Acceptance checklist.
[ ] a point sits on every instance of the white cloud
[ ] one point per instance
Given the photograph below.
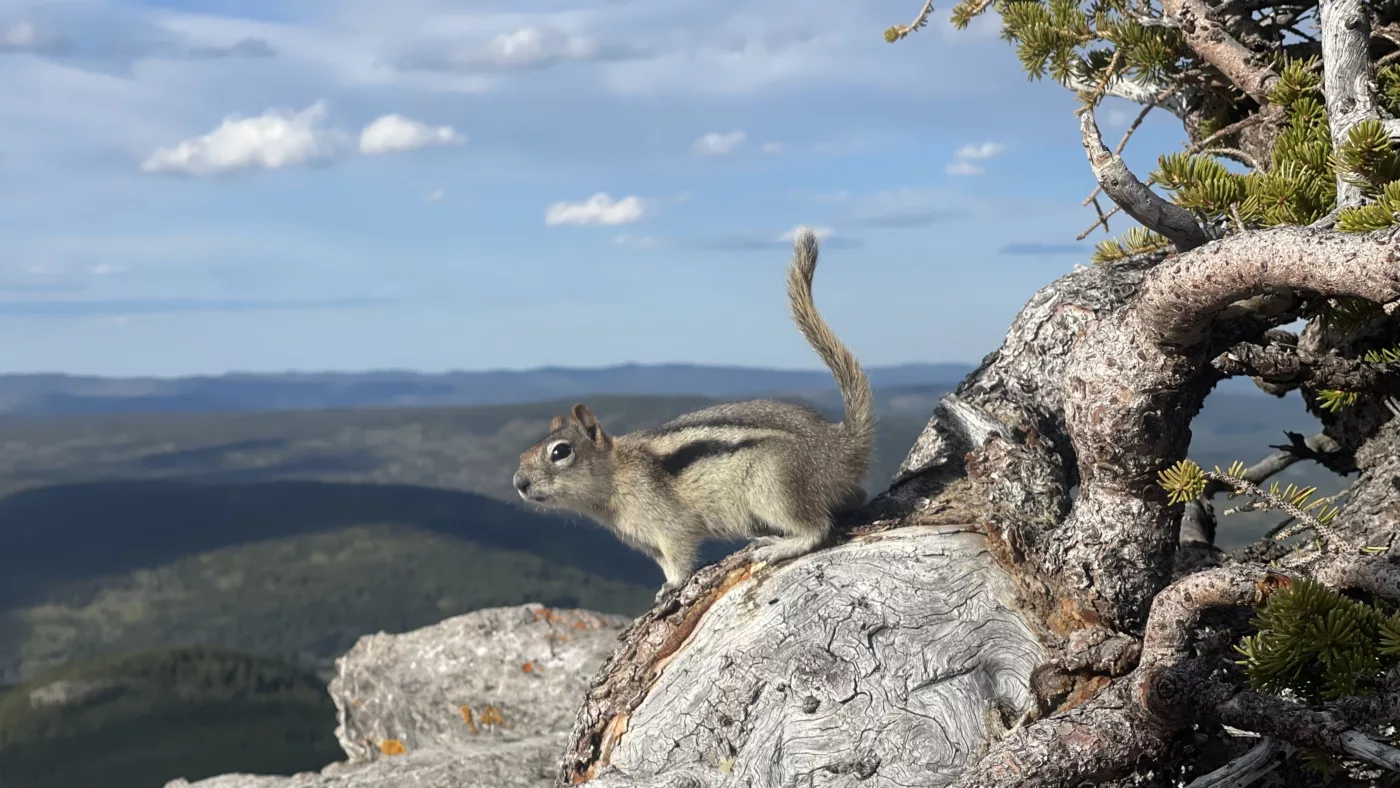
(526, 47)
(1119, 117)
(772, 147)
(906, 208)
(964, 157)
(530, 46)
(20, 35)
(600, 209)
(791, 235)
(436, 195)
(277, 138)
(828, 198)
(104, 269)
(635, 241)
(718, 144)
(984, 151)
(389, 133)
(964, 168)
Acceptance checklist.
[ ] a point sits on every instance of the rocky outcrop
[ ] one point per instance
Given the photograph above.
(485, 699)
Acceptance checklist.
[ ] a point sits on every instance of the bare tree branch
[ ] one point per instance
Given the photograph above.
(1244, 770)
(1136, 199)
(1392, 127)
(1374, 575)
(1102, 221)
(1298, 725)
(1228, 131)
(1137, 91)
(1294, 366)
(1348, 82)
(1213, 42)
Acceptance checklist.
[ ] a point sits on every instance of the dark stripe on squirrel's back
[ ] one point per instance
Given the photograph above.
(677, 461)
(752, 421)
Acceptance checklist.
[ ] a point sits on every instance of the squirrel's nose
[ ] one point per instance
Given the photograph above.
(521, 481)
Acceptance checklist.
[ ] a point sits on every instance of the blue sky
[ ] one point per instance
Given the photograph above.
(201, 187)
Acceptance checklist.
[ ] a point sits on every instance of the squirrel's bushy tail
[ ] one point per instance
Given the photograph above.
(859, 421)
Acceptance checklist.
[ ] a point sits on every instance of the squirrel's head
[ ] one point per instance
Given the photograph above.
(571, 468)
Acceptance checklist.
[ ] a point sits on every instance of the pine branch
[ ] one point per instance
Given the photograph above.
(900, 31)
(1304, 519)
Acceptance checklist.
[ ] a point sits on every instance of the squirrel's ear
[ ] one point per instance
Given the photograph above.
(557, 423)
(585, 419)
(581, 414)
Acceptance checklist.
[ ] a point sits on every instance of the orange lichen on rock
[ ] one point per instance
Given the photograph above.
(528, 667)
(392, 747)
(467, 717)
(492, 716)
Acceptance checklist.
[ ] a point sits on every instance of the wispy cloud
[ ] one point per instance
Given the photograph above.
(389, 133)
(826, 198)
(636, 241)
(902, 208)
(964, 158)
(111, 41)
(532, 46)
(822, 233)
(718, 143)
(277, 138)
(756, 241)
(1040, 248)
(152, 306)
(600, 209)
(34, 289)
(772, 148)
(19, 37)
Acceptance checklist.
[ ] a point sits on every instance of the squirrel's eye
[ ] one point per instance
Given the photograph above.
(560, 452)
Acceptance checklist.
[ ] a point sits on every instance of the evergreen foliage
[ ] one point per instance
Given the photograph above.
(1089, 44)
(1319, 645)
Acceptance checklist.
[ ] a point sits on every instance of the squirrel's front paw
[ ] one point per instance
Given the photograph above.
(666, 588)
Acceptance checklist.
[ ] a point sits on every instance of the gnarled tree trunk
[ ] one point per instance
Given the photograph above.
(980, 593)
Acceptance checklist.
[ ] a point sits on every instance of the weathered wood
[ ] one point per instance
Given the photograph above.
(873, 663)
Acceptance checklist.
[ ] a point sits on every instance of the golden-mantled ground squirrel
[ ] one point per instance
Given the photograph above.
(764, 468)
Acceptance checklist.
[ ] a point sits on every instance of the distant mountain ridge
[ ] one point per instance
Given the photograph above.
(58, 394)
